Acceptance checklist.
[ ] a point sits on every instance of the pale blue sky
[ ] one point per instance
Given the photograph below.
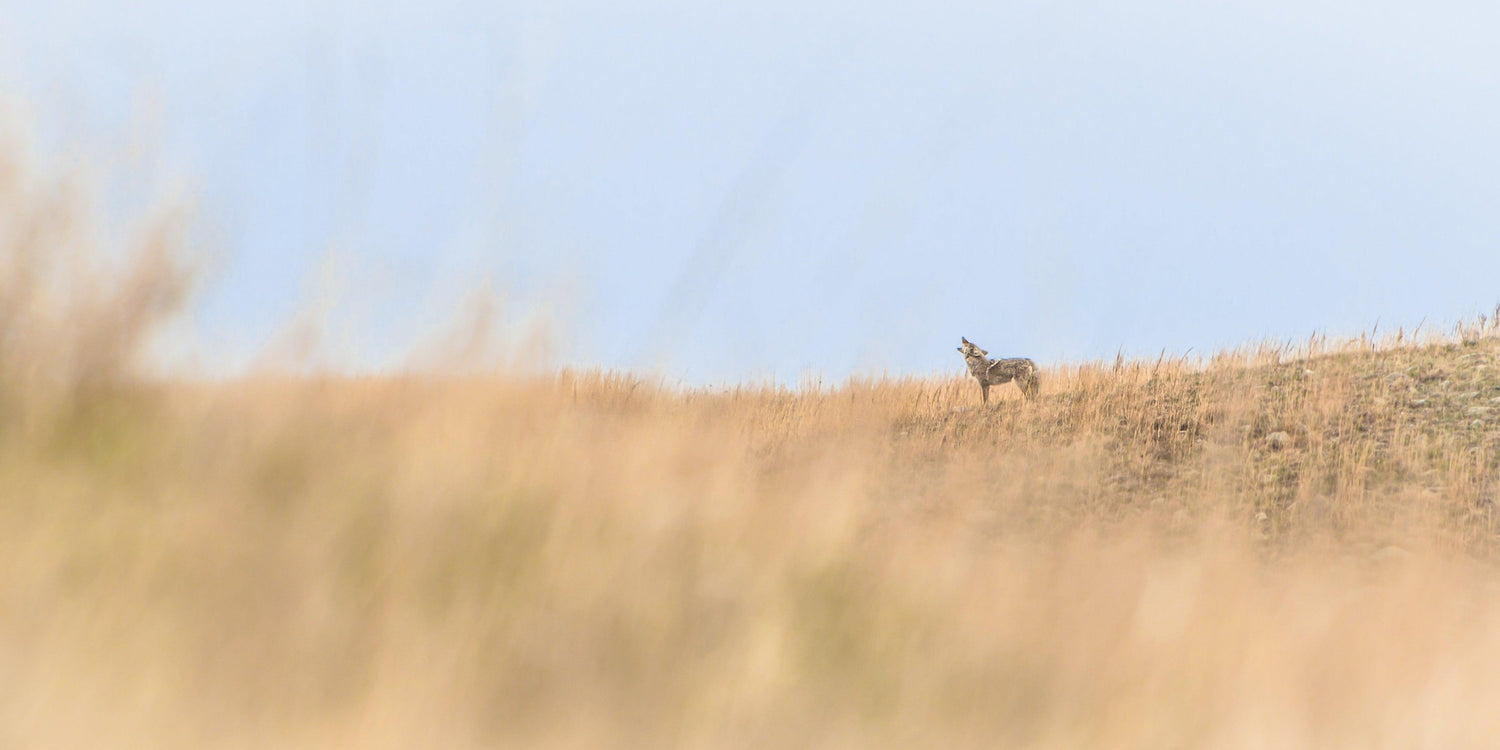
(738, 190)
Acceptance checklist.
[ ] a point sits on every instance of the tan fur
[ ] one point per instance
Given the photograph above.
(999, 371)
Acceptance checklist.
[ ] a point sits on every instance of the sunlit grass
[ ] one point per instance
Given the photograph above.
(1283, 546)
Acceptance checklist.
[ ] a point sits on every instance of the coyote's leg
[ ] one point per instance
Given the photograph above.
(984, 393)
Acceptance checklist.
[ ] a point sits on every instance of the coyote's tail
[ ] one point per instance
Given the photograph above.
(1029, 381)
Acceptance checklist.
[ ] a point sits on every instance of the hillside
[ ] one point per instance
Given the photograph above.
(1289, 548)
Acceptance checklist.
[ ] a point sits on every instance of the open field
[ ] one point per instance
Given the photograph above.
(1286, 546)
(1259, 551)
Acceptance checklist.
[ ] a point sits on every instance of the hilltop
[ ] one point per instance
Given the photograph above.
(1280, 541)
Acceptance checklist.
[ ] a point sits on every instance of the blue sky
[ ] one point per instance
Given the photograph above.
(744, 190)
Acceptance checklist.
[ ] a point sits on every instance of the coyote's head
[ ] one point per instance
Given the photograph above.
(970, 350)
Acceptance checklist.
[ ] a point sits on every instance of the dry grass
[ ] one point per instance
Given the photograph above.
(1276, 548)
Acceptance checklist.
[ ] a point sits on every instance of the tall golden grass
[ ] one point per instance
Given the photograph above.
(1278, 547)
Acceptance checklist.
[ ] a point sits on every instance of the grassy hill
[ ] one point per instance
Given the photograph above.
(1284, 546)
(1275, 548)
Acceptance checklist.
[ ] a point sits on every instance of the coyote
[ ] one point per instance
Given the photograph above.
(999, 371)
